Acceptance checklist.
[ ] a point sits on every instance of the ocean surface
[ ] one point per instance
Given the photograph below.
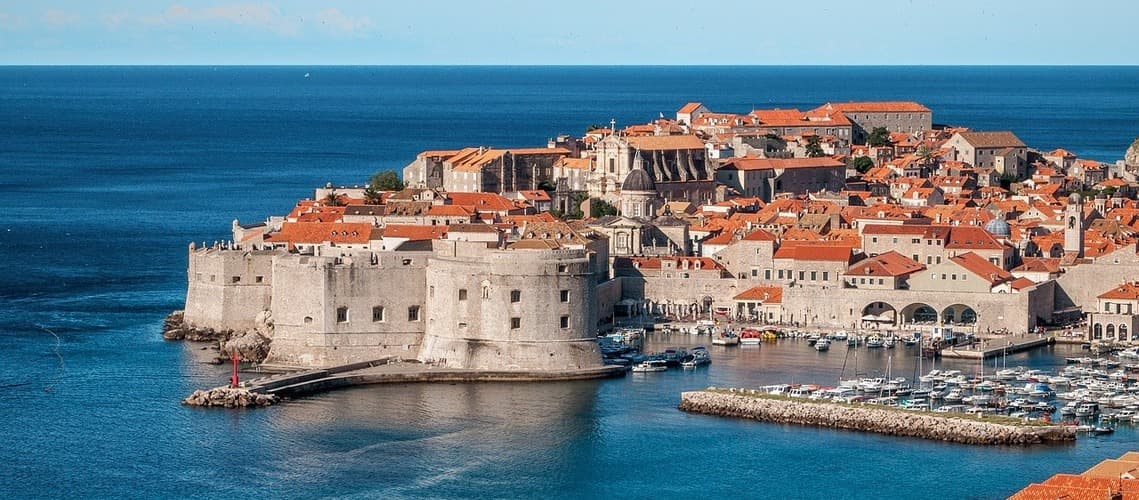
(107, 173)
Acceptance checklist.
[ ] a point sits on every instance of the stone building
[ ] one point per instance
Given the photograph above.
(677, 165)
(1116, 315)
(896, 116)
(1002, 150)
(484, 169)
(764, 177)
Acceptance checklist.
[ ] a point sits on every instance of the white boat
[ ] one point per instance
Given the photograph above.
(655, 365)
(822, 344)
(726, 339)
(840, 335)
(875, 341)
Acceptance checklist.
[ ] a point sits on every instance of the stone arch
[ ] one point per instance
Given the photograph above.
(1122, 331)
(1110, 331)
(879, 314)
(1097, 331)
(959, 314)
(919, 312)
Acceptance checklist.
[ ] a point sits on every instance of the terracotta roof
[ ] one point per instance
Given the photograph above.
(321, 232)
(665, 142)
(815, 251)
(657, 262)
(481, 201)
(1039, 265)
(1060, 152)
(450, 211)
(535, 195)
(445, 153)
(690, 107)
(1021, 283)
(415, 232)
(876, 107)
(574, 163)
(888, 264)
(984, 269)
(750, 163)
(1126, 291)
(765, 294)
(759, 235)
(972, 238)
(989, 140)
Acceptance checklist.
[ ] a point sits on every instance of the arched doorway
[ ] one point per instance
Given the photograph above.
(1110, 331)
(1123, 332)
(919, 313)
(1097, 331)
(878, 315)
(959, 314)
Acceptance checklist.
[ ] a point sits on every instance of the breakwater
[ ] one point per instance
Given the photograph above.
(742, 403)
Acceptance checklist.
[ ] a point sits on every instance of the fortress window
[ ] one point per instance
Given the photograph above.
(431, 292)
(198, 276)
(563, 295)
(308, 320)
(258, 279)
(515, 296)
(462, 294)
(236, 279)
(562, 268)
(407, 262)
(378, 313)
(564, 322)
(515, 323)
(341, 314)
(413, 313)
(213, 278)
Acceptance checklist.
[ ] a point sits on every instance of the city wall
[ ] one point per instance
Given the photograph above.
(227, 288)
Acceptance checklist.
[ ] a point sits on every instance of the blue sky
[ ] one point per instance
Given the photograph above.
(532, 32)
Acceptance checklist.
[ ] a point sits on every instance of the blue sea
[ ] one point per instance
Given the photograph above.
(107, 173)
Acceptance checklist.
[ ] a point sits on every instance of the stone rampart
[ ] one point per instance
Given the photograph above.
(227, 288)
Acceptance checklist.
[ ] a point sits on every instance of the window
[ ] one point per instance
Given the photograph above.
(462, 294)
(881, 281)
(213, 278)
(895, 241)
(562, 268)
(780, 274)
(237, 279)
(766, 274)
(407, 262)
(431, 291)
(515, 296)
(413, 313)
(814, 275)
(341, 314)
(938, 260)
(515, 323)
(801, 275)
(754, 273)
(933, 276)
(1107, 307)
(564, 321)
(942, 275)
(916, 258)
(874, 239)
(953, 276)
(378, 314)
(915, 240)
(826, 276)
(258, 279)
(308, 320)
(563, 295)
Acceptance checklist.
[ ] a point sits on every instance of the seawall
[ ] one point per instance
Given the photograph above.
(741, 403)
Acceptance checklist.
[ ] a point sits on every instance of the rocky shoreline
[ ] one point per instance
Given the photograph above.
(252, 346)
(742, 403)
(229, 397)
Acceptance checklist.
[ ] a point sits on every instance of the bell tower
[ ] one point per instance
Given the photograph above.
(1073, 226)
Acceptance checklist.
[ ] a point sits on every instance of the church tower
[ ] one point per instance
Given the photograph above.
(638, 191)
(1073, 226)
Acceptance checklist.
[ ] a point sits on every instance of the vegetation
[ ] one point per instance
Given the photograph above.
(331, 200)
(547, 186)
(601, 208)
(878, 137)
(372, 196)
(863, 164)
(923, 154)
(814, 149)
(386, 180)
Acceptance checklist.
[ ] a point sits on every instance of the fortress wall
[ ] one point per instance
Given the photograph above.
(226, 289)
(309, 291)
(608, 295)
(477, 332)
(681, 290)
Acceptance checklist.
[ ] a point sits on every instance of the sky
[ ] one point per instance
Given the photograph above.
(684, 32)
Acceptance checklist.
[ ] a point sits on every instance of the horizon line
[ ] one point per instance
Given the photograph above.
(490, 65)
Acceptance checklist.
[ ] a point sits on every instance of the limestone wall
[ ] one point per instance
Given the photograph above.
(226, 289)
(504, 309)
(335, 310)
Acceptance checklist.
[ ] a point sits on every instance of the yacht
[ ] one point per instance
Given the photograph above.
(726, 338)
(656, 365)
(874, 341)
(822, 344)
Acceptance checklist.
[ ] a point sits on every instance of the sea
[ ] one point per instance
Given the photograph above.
(108, 173)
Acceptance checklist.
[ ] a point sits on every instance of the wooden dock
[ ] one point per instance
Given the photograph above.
(998, 346)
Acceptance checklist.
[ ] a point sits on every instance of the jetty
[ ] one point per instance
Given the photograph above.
(956, 428)
(392, 370)
(998, 346)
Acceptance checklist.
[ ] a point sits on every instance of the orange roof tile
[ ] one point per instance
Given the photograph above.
(665, 142)
(984, 269)
(750, 163)
(876, 107)
(321, 232)
(765, 294)
(888, 264)
(1126, 291)
(815, 251)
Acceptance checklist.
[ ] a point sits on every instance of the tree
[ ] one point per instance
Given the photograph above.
(814, 149)
(372, 196)
(923, 154)
(331, 200)
(862, 164)
(879, 137)
(601, 208)
(386, 180)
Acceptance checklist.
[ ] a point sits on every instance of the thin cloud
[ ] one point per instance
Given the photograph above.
(334, 21)
(58, 17)
(263, 16)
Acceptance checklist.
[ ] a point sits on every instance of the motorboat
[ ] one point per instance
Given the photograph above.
(655, 365)
(726, 338)
(822, 344)
(874, 341)
(750, 337)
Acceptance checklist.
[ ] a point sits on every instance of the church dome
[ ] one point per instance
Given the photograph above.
(638, 180)
(998, 227)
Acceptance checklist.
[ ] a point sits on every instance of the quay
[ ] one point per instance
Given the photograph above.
(392, 370)
(998, 346)
(956, 428)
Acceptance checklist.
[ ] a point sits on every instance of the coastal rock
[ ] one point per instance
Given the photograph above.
(1131, 158)
(229, 397)
(252, 346)
(174, 327)
(741, 404)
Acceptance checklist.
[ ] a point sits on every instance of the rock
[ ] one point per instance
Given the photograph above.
(1131, 158)
(252, 346)
(229, 397)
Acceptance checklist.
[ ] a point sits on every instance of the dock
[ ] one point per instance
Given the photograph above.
(998, 346)
(392, 370)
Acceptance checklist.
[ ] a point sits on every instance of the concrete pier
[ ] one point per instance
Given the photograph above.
(957, 428)
(998, 346)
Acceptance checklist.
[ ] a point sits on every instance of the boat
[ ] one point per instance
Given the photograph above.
(1087, 409)
(750, 337)
(1129, 353)
(698, 356)
(840, 335)
(726, 338)
(1100, 430)
(891, 342)
(655, 365)
(954, 396)
(874, 341)
(822, 344)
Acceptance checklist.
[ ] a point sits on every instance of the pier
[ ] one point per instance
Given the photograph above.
(964, 429)
(998, 346)
(391, 370)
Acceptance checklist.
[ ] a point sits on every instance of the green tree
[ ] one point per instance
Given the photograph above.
(372, 196)
(386, 180)
(923, 154)
(814, 149)
(601, 208)
(879, 137)
(862, 164)
(331, 200)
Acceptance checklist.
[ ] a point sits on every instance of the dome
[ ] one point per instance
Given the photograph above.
(638, 180)
(998, 227)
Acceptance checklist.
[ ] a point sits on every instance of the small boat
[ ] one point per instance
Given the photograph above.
(891, 342)
(840, 335)
(822, 344)
(874, 342)
(726, 338)
(750, 337)
(697, 357)
(655, 365)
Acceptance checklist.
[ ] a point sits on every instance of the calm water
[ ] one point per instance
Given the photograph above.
(109, 172)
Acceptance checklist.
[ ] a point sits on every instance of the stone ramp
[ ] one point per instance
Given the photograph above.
(999, 346)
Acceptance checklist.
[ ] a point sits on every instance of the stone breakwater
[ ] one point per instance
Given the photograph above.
(229, 397)
(741, 403)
